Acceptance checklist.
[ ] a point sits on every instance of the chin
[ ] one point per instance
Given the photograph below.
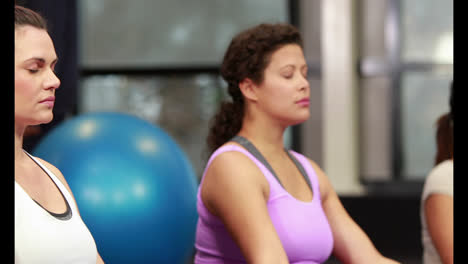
(298, 121)
(295, 118)
(45, 119)
(302, 118)
(34, 120)
(48, 120)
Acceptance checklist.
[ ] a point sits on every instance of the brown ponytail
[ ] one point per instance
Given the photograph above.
(227, 123)
(247, 56)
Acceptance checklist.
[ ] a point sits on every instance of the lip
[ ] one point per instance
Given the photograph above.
(303, 102)
(49, 101)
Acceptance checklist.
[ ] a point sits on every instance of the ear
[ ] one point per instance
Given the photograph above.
(247, 87)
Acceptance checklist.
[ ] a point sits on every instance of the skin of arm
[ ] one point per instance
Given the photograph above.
(438, 210)
(60, 176)
(235, 190)
(351, 244)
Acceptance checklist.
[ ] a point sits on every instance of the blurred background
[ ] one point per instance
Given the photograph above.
(379, 72)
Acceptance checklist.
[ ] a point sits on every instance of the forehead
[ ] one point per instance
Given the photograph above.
(33, 42)
(287, 54)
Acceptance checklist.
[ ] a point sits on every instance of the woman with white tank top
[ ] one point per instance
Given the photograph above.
(48, 226)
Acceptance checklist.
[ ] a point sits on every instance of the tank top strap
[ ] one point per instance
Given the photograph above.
(309, 171)
(226, 148)
(256, 153)
(301, 169)
(63, 190)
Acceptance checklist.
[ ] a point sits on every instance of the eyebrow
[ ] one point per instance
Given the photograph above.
(41, 60)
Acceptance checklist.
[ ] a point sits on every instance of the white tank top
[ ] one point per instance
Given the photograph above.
(439, 180)
(41, 237)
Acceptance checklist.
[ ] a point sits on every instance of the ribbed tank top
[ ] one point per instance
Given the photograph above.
(44, 237)
(302, 227)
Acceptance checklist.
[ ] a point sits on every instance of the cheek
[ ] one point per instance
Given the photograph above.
(278, 93)
(24, 91)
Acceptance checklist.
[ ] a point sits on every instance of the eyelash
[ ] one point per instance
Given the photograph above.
(289, 76)
(32, 71)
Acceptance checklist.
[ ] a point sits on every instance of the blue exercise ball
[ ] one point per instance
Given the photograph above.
(134, 186)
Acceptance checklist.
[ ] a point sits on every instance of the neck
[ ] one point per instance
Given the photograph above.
(265, 134)
(19, 133)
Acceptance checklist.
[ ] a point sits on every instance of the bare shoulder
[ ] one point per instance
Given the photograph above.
(231, 161)
(51, 167)
(59, 175)
(233, 167)
(233, 173)
(55, 171)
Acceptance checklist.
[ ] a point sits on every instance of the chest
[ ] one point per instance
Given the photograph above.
(302, 227)
(40, 187)
(41, 238)
(292, 179)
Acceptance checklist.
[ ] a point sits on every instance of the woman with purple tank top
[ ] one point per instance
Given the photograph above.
(257, 201)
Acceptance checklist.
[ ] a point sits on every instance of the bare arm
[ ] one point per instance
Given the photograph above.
(351, 244)
(235, 190)
(438, 210)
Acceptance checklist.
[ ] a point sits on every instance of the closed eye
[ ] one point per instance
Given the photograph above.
(35, 64)
(287, 76)
(35, 67)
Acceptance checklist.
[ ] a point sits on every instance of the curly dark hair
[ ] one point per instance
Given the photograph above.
(247, 56)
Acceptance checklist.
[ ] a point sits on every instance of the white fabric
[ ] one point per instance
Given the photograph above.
(42, 238)
(440, 181)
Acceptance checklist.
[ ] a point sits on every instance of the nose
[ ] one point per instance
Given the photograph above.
(52, 82)
(304, 83)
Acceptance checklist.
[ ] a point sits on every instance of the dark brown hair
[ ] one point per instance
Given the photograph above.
(27, 17)
(444, 138)
(444, 134)
(247, 56)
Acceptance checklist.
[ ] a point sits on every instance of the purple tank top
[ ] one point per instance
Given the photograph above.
(301, 226)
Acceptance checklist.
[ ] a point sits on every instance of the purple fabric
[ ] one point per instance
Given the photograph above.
(301, 226)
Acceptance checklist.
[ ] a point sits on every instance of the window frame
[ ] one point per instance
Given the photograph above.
(393, 67)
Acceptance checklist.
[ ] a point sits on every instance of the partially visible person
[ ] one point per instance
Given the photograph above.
(437, 197)
(48, 226)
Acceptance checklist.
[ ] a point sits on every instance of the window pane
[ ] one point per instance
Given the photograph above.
(375, 129)
(182, 105)
(121, 33)
(427, 28)
(425, 97)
